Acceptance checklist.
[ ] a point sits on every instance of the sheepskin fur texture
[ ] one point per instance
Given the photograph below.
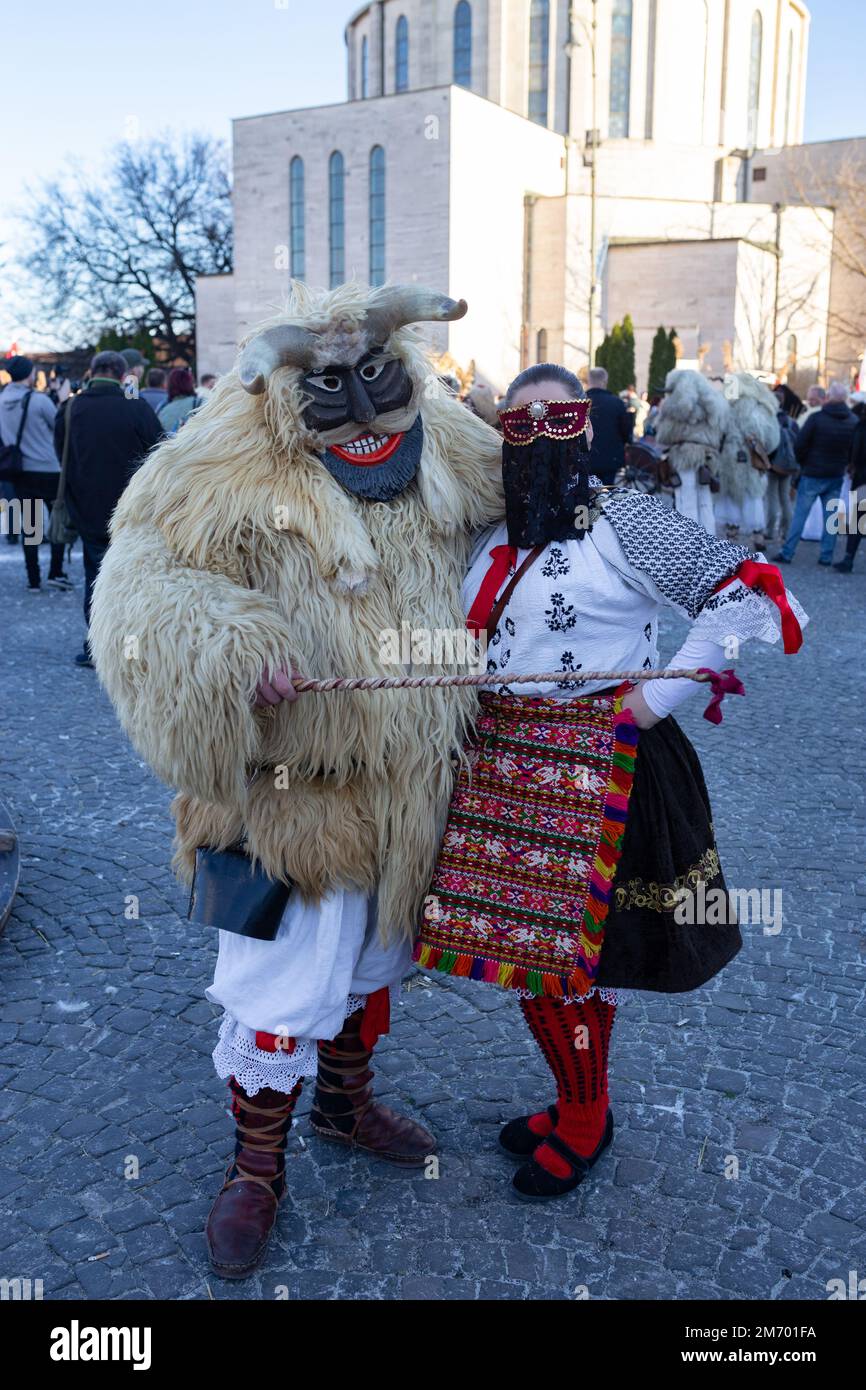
(233, 550)
(752, 414)
(692, 422)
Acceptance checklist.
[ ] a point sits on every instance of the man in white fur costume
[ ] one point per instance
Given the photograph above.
(753, 433)
(691, 427)
(324, 494)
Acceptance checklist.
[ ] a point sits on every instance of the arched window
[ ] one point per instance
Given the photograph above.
(620, 68)
(786, 133)
(755, 77)
(541, 345)
(401, 55)
(297, 255)
(539, 34)
(377, 215)
(365, 67)
(463, 44)
(337, 218)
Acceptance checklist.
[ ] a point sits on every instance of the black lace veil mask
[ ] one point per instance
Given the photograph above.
(545, 472)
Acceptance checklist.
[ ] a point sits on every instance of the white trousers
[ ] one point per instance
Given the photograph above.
(324, 961)
(695, 500)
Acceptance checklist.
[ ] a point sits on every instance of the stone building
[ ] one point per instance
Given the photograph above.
(558, 165)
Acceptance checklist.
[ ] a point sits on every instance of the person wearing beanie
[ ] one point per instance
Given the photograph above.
(136, 364)
(31, 413)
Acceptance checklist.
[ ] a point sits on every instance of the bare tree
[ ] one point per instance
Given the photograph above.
(124, 252)
(835, 177)
(771, 311)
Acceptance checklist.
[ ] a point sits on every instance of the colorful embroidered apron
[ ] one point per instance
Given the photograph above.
(522, 886)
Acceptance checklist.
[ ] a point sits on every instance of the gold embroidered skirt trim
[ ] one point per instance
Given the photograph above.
(663, 897)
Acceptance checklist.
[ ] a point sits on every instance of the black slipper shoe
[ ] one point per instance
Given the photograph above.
(533, 1183)
(518, 1140)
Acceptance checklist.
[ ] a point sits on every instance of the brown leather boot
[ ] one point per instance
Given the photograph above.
(243, 1215)
(345, 1112)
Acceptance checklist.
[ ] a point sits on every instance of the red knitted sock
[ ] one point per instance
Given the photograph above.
(574, 1040)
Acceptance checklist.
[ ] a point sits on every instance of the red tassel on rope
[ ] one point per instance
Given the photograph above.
(722, 684)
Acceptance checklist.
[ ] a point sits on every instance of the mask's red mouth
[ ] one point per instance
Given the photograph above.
(367, 449)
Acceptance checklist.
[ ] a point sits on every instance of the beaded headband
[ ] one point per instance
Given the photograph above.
(551, 419)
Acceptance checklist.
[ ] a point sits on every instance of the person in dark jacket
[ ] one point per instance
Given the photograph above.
(822, 448)
(857, 472)
(110, 436)
(612, 426)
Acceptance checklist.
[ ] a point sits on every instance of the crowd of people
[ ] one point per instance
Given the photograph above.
(764, 465)
(743, 459)
(76, 447)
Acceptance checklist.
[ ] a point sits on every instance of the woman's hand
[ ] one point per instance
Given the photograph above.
(274, 687)
(643, 715)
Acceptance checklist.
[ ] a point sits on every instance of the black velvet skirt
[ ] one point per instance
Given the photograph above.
(660, 933)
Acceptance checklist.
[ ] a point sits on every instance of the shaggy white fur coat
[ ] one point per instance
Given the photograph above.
(233, 550)
(692, 422)
(753, 413)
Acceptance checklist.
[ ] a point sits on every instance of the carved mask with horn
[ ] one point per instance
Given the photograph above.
(362, 401)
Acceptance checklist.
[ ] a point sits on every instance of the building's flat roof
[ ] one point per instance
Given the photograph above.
(401, 96)
(807, 145)
(690, 240)
(353, 101)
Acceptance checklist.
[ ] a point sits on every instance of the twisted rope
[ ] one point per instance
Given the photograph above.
(506, 678)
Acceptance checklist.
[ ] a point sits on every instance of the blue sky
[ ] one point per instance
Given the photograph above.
(79, 78)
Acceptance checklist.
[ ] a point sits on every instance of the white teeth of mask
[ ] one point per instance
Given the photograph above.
(366, 444)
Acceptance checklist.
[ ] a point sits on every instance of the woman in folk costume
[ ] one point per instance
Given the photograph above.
(323, 496)
(752, 435)
(581, 818)
(691, 428)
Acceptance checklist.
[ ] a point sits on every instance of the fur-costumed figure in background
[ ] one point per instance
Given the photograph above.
(317, 509)
(753, 432)
(691, 427)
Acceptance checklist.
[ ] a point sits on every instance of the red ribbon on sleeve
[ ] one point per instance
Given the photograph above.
(503, 557)
(768, 579)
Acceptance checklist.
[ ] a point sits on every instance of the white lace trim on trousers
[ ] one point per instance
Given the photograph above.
(236, 1055)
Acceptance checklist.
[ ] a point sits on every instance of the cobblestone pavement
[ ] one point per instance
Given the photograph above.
(105, 1036)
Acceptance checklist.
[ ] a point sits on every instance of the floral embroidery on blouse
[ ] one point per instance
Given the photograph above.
(556, 564)
(559, 617)
(568, 663)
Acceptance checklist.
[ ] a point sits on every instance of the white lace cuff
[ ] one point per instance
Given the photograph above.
(237, 1055)
(740, 613)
